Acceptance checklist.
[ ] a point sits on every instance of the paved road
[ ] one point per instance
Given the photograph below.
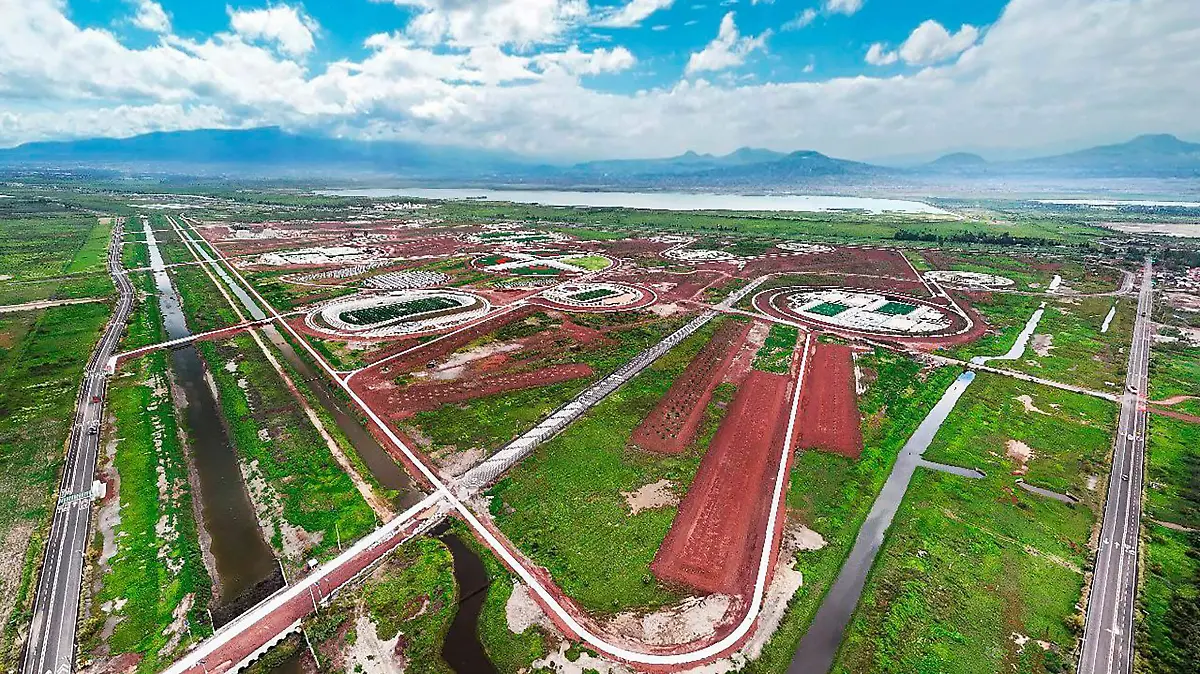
(1108, 634)
(51, 645)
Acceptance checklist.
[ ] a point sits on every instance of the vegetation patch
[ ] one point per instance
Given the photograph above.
(775, 355)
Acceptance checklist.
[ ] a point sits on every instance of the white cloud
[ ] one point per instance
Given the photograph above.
(878, 55)
(150, 16)
(729, 49)
(633, 13)
(930, 43)
(282, 25)
(847, 7)
(576, 62)
(802, 20)
(498, 22)
(1123, 62)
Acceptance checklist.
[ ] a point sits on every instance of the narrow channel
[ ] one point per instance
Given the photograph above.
(383, 467)
(245, 564)
(461, 648)
(820, 644)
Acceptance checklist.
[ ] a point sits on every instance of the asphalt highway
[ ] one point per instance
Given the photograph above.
(1108, 632)
(50, 648)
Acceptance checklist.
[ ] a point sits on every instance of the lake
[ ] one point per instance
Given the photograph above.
(664, 201)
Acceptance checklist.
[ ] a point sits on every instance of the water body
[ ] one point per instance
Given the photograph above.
(1108, 319)
(1018, 347)
(461, 648)
(245, 564)
(663, 201)
(1119, 202)
(820, 644)
(383, 467)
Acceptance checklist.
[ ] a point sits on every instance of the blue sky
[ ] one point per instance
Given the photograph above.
(573, 79)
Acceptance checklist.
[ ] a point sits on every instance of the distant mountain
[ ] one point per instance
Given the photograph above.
(1157, 155)
(957, 161)
(689, 162)
(262, 150)
(273, 152)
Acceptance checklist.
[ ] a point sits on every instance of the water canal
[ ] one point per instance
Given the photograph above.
(245, 566)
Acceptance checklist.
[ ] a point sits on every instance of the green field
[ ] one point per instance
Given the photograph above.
(588, 262)
(1175, 371)
(43, 358)
(775, 355)
(35, 253)
(563, 505)
(154, 590)
(1168, 639)
(828, 309)
(969, 563)
(590, 295)
(388, 312)
(412, 594)
(896, 309)
(1067, 345)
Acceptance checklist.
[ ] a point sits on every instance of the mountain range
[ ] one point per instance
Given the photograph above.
(271, 151)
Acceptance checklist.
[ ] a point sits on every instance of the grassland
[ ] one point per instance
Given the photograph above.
(1175, 371)
(412, 594)
(1168, 639)
(968, 564)
(275, 439)
(775, 355)
(36, 253)
(832, 494)
(563, 506)
(151, 590)
(1067, 345)
(39, 377)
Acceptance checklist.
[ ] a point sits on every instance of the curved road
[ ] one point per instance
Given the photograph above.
(50, 648)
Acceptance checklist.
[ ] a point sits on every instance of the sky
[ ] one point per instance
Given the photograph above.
(592, 79)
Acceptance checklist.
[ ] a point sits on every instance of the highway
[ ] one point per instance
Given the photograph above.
(50, 648)
(1108, 633)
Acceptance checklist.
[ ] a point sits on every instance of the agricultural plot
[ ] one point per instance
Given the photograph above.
(566, 506)
(35, 253)
(979, 575)
(829, 418)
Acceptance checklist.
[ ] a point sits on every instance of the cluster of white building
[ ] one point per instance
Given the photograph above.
(406, 280)
(865, 312)
(329, 255)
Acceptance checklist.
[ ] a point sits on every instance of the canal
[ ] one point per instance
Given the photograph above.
(245, 566)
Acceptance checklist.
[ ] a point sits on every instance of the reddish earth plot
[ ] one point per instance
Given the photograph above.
(402, 402)
(671, 426)
(829, 419)
(718, 533)
(845, 260)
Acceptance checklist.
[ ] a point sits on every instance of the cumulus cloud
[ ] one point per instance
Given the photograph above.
(729, 49)
(151, 16)
(285, 26)
(930, 43)
(576, 62)
(632, 13)
(1121, 60)
(498, 22)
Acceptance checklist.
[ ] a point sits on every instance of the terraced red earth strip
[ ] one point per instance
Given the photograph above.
(829, 418)
(403, 402)
(672, 424)
(714, 542)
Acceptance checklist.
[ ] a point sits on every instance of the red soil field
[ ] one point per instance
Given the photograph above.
(829, 419)
(715, 540)
(399, 403)
(671, 425)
